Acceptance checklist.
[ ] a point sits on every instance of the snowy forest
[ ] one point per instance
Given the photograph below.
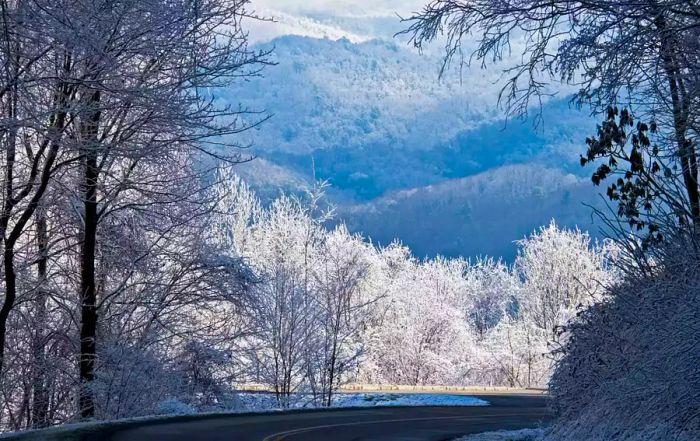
(143, 274)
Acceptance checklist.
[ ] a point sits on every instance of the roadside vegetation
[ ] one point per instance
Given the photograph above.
(628, 368)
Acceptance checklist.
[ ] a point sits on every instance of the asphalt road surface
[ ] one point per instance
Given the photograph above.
(404, 424)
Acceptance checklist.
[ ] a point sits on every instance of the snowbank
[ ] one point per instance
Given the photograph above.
(267, 401)
(506, 435)
(630, 370)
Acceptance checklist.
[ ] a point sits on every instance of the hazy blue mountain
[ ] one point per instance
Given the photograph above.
(395, 142)
(481, 214)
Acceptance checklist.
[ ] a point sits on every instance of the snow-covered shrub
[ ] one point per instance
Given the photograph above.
(631, 367)
(516, 354)
(202, 366)
(131, 382)
(173, 406)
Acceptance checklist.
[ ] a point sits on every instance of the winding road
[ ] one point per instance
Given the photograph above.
(385, 423)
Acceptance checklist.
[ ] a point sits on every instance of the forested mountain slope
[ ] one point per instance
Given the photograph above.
(375, 120)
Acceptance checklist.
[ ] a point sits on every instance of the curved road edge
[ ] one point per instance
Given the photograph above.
(509, 409)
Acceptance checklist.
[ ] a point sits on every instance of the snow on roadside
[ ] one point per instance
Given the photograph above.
(393, 399)
(506, 435)
(267, 401)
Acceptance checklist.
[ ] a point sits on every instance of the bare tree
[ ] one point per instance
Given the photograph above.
(110, 104)
(36, 99)
(142, 68)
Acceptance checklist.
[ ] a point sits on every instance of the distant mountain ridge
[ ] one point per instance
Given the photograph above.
(374, 120)
(484, 213)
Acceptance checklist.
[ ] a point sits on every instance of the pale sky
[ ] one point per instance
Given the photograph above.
(343, 7)
(328, 18)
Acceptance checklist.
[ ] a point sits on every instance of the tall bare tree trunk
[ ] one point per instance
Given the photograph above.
(10, 236)
(88, 289)
(10, 107)
(679, 104)
(40, 393)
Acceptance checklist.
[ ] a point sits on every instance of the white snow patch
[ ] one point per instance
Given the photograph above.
(506, 435)
(267, 401)
(392, 399)
(172, 406)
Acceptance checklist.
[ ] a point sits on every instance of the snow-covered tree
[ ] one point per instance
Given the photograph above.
(103, 132)
(236, 212)
(489, 295)
(284, 252)
(563, 271)
(423, 337)
(345, 306)
(514, 354)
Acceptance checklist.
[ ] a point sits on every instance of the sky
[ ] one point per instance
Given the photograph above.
(358, 21)
(361, 8)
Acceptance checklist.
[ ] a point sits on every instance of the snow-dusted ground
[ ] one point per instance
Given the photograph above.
(506, 435)
(267, 401)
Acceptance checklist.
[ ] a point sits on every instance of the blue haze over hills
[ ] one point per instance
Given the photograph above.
(430, 162)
